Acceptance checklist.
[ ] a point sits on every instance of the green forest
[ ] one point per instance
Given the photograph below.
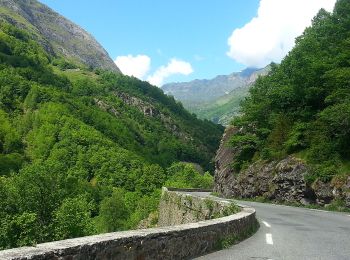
(86, 151)
(303, 106)
(75, 157)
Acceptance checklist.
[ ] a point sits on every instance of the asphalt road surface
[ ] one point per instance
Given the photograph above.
(291, 233)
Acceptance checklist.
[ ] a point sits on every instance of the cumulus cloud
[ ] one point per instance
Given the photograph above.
(173, 67)
(270, 35)
(137, 66)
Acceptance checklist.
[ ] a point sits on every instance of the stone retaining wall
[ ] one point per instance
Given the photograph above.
(189, 189)
(179, 206)
(173, 242)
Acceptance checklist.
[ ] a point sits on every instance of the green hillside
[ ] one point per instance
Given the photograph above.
(217, 99)
(223, 109)
(86, 151)
(303, 106)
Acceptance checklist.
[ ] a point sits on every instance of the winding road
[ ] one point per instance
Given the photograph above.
(291, 233)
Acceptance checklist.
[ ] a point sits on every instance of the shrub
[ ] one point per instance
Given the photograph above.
(246, 145)
(184, 175)
(324, 172)
(73, 219)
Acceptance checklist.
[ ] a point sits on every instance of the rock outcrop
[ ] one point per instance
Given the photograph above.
(224, 178)
(145, 107)
(150, 110)
(56, 34)
(281, 181)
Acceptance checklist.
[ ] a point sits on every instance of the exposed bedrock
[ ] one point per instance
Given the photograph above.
(281, 181)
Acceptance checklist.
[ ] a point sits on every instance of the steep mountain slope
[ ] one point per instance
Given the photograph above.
(292, 141)
(84, 152)
(222, 110)
(56, 34)
(217, 99)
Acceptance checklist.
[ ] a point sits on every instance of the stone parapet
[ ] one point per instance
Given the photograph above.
(172, 242)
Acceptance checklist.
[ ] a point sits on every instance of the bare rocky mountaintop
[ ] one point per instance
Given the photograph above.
(56, 34)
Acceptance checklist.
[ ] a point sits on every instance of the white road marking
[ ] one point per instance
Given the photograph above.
(266, 224)
(269, 240)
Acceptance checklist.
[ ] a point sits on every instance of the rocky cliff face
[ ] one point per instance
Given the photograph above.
(281, 181)
(56, 34)
(276, 180)
(224, 177)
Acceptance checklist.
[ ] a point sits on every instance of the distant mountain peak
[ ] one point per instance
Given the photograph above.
(248, 72)
(205, 90)
(216, 99)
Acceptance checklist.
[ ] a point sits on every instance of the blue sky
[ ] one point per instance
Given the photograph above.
(181, 40)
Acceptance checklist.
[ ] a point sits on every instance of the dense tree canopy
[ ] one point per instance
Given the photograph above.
(303, 105)
(75, 158)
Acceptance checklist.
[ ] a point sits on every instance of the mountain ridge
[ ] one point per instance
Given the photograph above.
(216, 99)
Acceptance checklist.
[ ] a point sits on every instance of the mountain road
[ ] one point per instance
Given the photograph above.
(291, 233)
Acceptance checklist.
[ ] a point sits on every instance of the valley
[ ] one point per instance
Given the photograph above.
(217, 99)
(85, 148)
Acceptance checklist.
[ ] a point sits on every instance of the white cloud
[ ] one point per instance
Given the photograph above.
(173, 67)
(270, 36)
(139, 66)
(136, 66)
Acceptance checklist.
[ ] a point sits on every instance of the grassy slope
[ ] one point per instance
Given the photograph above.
(223, 109)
